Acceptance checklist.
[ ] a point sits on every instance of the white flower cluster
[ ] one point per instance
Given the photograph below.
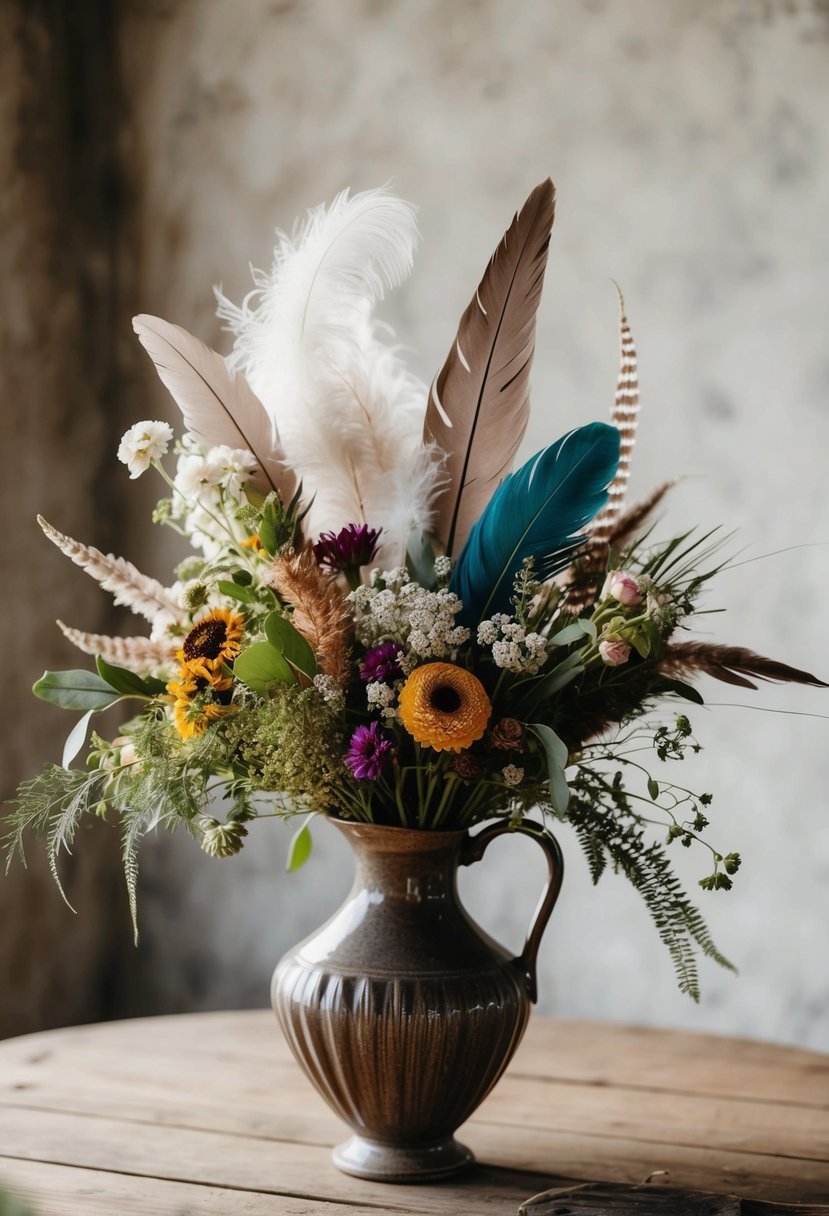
(330, 691)
(142, 444)
(382, 696)
(512, 774)
(394, 607)
(204, 482)
(512, 647)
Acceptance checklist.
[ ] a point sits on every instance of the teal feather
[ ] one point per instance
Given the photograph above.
(537, 512)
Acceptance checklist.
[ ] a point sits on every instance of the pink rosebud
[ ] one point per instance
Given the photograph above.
(624, 587)
(614, 654)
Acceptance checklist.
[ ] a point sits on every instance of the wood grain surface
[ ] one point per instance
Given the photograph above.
(209, 1114)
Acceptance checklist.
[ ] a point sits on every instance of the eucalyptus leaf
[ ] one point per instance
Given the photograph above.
(570, 633)
(123, 681)
(285, 638)
(82, 690)
(261, 665)
(299, 850)
(236, 591)
(555, 751)
(76, 739)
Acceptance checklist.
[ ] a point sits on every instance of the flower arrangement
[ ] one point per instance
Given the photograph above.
(378, 620)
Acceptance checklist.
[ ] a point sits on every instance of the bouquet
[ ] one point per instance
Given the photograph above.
(378, 620)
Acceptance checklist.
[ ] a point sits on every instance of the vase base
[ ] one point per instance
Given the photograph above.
(395, 1163)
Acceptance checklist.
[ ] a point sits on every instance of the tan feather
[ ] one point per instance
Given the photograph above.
(322, 613)
(478, 404)
(731, 664)
(140, 655)
(136, 591)
(218, 406)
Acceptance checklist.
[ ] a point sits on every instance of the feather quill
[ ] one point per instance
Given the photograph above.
(348, 412)
(218, 407)
(141, 655)
(134, 590)
(537, 512)
(731, 664)
(478, 404)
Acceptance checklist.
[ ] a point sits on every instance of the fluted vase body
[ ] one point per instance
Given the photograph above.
(400, 1009)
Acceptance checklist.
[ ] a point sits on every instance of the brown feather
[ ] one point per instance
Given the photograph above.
(731, 664)
(479, 402)
(322, 613)
(592, 561)
(218, 406)
(631, 520)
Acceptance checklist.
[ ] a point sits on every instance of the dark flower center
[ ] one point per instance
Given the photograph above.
(205, 640)
(445, 699)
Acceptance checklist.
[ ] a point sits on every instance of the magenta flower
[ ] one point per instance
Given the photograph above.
(366, 754)
(347, 550)
(382, 663)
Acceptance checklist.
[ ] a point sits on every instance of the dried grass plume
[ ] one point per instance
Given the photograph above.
(322, 613)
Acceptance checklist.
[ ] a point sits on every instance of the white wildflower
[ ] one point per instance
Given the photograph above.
(329, 690)
(232, 466)
(512, 774)
(513, 649)
(196, 477)
(443, 568)
(382, 696)
(142, 444)
(423, 621)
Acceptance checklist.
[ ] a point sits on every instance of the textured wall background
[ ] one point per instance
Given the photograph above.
(690, 146)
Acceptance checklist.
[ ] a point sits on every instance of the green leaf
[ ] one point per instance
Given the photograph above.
(290, 643)
(267, 528)
(76, 739)
(75, 690)
(570, 633)
(653, 788)
(299, 850)
(680, 689)
(262, 665)
(123, 681)
(235, 591)
(556, 754)
(544, 687)
(243, 577)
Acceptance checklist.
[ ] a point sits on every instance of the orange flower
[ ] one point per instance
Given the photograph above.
(444, 707)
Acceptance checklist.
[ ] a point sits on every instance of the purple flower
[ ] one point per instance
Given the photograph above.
(349, 549)
(382, 663)
(365, 756)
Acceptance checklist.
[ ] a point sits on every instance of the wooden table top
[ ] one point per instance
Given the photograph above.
(208, 1113)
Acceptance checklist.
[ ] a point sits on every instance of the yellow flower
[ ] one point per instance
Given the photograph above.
(215, 638)
(254, 543)
(444, 707)
(193, 710)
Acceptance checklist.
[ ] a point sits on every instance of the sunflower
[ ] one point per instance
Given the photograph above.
(212, 642)
(444, 707)
(193, 707)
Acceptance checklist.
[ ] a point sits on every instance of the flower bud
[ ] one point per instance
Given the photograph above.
(624, 587)
(614, 653)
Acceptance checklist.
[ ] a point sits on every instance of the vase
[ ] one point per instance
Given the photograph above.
(400, 1009)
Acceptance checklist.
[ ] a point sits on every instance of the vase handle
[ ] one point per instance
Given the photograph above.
(474, 849)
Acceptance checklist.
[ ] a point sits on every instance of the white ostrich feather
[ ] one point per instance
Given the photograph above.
(136, 591)
(349, 414)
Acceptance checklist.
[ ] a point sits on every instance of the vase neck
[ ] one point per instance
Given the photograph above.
(404, 864)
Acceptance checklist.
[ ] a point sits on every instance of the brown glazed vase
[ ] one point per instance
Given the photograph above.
(400, 1009)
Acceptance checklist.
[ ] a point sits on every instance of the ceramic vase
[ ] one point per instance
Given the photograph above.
(400, 1009)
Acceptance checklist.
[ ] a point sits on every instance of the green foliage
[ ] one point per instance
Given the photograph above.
(555, 753)
(292, 744)
(261, 666)
(81, 690)
(291, 644)
(611, 832)
(299, 850)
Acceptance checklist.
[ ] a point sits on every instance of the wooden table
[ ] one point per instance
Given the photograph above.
(209, 1114)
